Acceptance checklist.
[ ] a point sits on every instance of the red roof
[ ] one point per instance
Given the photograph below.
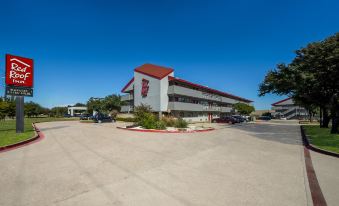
(129, 83)
(284, 100)
(155, 71)
(209, 89)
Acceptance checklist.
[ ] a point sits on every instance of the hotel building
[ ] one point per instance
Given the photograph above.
(157, 87)
(286, 108)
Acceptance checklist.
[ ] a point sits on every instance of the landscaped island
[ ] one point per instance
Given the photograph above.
(322, 138)
(146, 120)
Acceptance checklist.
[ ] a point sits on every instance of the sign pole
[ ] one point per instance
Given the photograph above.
(19, 114)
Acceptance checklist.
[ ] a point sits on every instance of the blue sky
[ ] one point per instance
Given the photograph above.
(90, 48)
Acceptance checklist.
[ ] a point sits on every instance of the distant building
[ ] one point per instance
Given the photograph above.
(258, 113)
(286, 108)
(76, 111)
(157, 87)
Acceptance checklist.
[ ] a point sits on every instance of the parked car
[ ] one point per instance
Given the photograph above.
(67, 115)
(267, 118)
(239, 118)
(229, 120)
(99, 118)
(86, 117)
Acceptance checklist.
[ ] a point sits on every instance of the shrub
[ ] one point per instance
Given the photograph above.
(148, 121)
(141, 112)
(169, 121)
(180, 123)
(126, 119)
(160, 125)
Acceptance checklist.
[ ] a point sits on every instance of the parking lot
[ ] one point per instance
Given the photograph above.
(98, 164)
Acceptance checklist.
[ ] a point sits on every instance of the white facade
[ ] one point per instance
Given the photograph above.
(174, 96)
(156, 97)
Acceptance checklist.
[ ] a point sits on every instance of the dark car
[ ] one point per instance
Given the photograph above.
(67, 115)
(266, 118)
(99, 118)
(229, 120)
(85, 117)
(239, 118)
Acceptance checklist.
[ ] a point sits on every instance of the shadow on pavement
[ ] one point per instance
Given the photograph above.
(51, 128)
(286, 134)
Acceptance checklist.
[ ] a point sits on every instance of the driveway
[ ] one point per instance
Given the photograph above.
(97, 164)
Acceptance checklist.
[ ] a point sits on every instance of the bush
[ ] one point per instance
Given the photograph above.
(180, 123)
(141, 112)
(160, 125)
(169, 121)
(148, 121)
(126, 119)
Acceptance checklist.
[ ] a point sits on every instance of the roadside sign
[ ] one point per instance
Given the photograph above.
(19, 91)
(19, 83)
(19, 71)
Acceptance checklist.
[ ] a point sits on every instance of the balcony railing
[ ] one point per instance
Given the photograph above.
(226, 109)
(174, 89)
(183, 106)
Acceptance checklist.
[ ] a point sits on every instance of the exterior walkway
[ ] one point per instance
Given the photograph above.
(327, 170)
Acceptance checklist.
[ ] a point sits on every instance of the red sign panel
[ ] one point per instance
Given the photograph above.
(19, 71)
(144, 88)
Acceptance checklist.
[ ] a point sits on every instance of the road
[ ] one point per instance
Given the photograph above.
(98, 164)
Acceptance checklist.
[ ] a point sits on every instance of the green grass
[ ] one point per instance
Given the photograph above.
(8, 135)
(322, 138)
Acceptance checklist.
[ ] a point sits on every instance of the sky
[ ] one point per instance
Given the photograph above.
(84, 49)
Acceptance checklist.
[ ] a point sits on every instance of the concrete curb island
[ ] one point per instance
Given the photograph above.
(165, 131)
(36, 138)
(315, 148)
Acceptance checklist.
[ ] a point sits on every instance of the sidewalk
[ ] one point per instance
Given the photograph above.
(327, 171)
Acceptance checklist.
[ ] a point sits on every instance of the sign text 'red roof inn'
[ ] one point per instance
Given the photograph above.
(19, 71)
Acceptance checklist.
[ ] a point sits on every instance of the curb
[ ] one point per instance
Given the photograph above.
(165, 131)
(36, 138)
(315, 189)
(315, 148)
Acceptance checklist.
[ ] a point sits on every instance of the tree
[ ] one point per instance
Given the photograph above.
(58, 111)
(106, 105)
(311, 79)
(11, 109)
(243, 108)
(3, 109)
(79, 105)
(112, 102)
(45, 111)
(94, 104)
(32, 109)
